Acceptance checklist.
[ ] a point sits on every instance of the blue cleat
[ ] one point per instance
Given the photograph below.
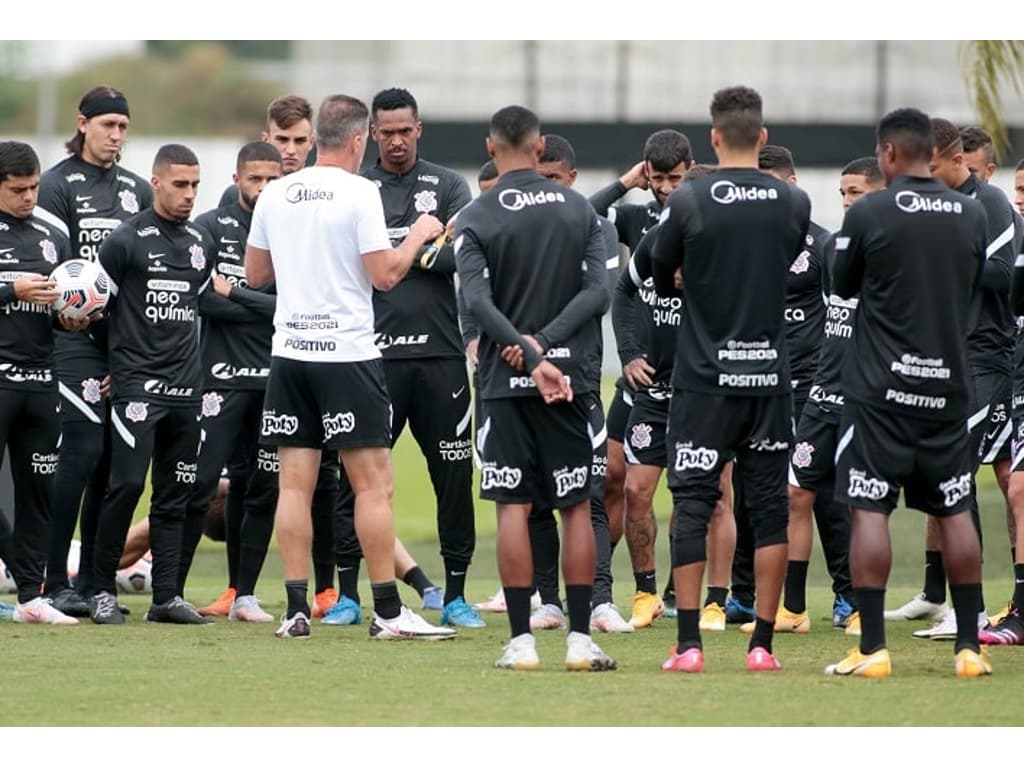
(458, 614)
(6, 612)
(841, 611)
(345, 611)
(433, 599)
(670, 606)
(738, 613)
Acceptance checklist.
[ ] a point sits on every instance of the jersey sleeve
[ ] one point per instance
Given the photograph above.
(53, 206)
(115, 255)
(850, 245)
(999, 255)
(624, 315)
(371, 230)
(668, 254)
(257, 228)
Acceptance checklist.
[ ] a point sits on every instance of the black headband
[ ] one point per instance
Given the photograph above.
(104, 105)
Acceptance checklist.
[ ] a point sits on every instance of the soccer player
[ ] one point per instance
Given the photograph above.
(915, 253)
(321, 233)
(990, 353)
(734, 234)
(805, 324)
(29, 403)
(235, 339)
(532, 261)
(158, 263)
(86, 196)
(979, 154)
(417, 332)
(666, 157)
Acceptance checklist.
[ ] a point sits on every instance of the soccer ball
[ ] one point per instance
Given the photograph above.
(7, 585)
(137, 578)
(84, 288)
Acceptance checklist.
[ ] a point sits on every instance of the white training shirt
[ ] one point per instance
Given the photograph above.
(317, 223)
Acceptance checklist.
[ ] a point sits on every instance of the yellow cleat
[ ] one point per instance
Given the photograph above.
(786, 622)
(646, 608)
(853, 624)
(973, 664)
(877, 664)
(712, 618)
(994, 619)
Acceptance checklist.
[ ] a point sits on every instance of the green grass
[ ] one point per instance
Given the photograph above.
(236, 674)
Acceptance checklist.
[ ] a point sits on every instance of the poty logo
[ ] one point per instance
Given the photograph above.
(910, 201)
(228, 221)
(278, 425)
(727, 193)
(956, 488)
(337, 424)
(516, 200)
(568, 480)
(500, 477)
(147, 231)
(299, 193)
(864, 487)
(688, 457)
(72, 177)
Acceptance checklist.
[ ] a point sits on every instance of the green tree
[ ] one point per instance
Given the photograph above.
(988, 65)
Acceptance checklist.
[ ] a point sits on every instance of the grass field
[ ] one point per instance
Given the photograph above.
(237, 674)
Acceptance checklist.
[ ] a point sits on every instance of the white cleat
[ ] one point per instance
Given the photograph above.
(407, 626)
(520, 653)
(40, 611)
(547, 616)
(917, 608)
(606, 618)
(943, 629)
(583, 655)
(247, 608)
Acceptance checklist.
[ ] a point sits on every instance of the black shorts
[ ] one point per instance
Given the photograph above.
(812, 462)
(534, 453)
(81, 400)
(879, 452)
(598, 431)
(618, 411)
(1017, 417)
(326, 405)
(991, 429)
(647, 427)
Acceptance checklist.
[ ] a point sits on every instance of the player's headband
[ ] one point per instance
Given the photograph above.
(104, 105)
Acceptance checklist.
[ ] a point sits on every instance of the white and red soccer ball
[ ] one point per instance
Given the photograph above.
(84, 288)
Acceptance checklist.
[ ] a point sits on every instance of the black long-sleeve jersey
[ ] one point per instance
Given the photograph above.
(236, 332)
(27, 247)
(418, 317)
(157, 269)
(735, 233)
(827, 391)
(915, 253)
(87, 203)
(805, 308)
(652, 331)
(532, 259)
(990, 344)
(631, 221)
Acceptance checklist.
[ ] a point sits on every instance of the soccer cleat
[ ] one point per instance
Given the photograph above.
(548, 616)
(917, 608)
(294, 628)
(494, 604)
(841, 611)
(646, 608)
(786, 622)
(175, 611)
(972, 663)
(70, 603)
(344, 612)
(6, 612)
(856, 664)
(853, 625)
(737, 612)
(103, 609)
(762, 660)
(583, 655)
(520, 653)
(994, 619)
(407, 626)
(690, 660)
(323, 602)
(457, 613)
(606, 618)
(222, 605)
(433, 599)
(1009, 631)
(247, 608)
(669, 601)
(943, 629)
(712, 618)
(40, 611)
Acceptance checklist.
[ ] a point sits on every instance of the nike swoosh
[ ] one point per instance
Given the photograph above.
(456, 394)
(457, 573)
(156, 255)
(6, 250)
(225, 240)
(82, 198)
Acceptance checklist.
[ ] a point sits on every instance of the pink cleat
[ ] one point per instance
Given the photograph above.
(691, 660)
(760, 660)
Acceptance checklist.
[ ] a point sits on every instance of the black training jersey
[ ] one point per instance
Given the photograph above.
(990, 345)
(236, 331)
(157, 269)
(631, 221)
(418, 317)
(914, 252)
(532, 259)
(805, 308)
(827, 391)
(87, 203)
(657, 323)
(27, 247)
(735, 234)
